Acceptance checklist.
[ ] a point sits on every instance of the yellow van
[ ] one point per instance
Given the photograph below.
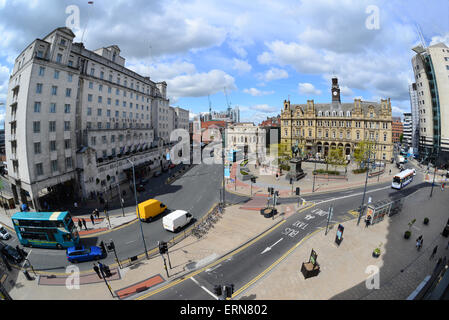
(150, 209)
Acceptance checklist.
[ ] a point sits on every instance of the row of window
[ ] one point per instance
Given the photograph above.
(118, 81)
(54, 166)
(358, 124)
(104, 139)
(334, 135)
(117, 114)
(54, 90)
(52, 146)
(52, 109)
(117, 92)
(51, 126)
(125, 125)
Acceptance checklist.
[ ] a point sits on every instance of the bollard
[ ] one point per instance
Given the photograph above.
(27, 275)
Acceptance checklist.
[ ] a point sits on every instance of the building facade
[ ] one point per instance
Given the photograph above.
(431, 69)
(315, 128)
(408, 129)
(181, 118)
(413, 92)
(74, 118)
(397, 129)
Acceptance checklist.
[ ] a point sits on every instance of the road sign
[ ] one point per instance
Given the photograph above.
(227, 173)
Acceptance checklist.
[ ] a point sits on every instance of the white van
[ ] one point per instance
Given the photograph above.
(176, 220)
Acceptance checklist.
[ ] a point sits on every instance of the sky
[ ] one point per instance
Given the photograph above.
(263, 52)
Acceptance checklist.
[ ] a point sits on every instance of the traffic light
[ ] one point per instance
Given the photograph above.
(297, 191)
(163, 248)
(253, 179)
(110, 246)
(291, 180)
(229, 290)
(218, 290)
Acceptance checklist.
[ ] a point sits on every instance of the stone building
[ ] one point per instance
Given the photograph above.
(317, 127)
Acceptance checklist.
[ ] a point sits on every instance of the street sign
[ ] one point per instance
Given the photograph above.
(227, 173)
(168, 156)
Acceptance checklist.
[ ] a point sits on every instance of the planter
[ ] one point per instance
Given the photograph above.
(426, 221)
(376, 253)
(407, 234)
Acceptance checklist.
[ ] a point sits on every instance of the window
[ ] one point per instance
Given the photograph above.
(91, 85)
(39, 169)
(99, 112)
(89, 111)
(70, 63)
(68, 92)
(92, 71)
(124, 103)
(108, 113)
(37, 148)
(52, 126)
(93, 141)
(67, 108)
(41, 71)
(101, 74)
(89, 97)
(37, 107)
(358, 135)
(39, 88)
(109, 101)
(62, 43)
(99, 125)
(56, 75)
(40, 54)
(109, 89)
(66, 125)
(52, 107)
(112, 138)
(36, 126)
(100, 88)
(54, 90)
(116, 102)
(104, 139)
(54, 165)
(53, 145)
(68, 162)
(385, 137)
(117, 91)
(100, 99)
(67, 143)
(59, 58)
(69, 77)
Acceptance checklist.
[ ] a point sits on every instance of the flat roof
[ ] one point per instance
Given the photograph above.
(40, 215)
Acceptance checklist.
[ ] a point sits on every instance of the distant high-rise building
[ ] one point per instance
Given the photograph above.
(407, 129)
(415, 116)
(431, 68)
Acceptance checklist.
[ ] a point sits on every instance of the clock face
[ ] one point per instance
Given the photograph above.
(335, 93)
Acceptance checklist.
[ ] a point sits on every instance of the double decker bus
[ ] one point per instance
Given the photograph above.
(402, 179)
(45, 229)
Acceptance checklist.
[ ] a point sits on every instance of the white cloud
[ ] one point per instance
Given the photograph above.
(162, 71)
(200, 84)
(4, 82)
(273, 74)
(308, 88)
(241, 66)
(346, 91)
(442, 38)
(256, 92)
(265, 108)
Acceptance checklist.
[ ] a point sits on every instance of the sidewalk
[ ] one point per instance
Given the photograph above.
(305, 184)
(344, 268)
(188, 255)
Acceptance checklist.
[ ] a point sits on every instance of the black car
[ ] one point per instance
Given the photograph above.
(10, 253)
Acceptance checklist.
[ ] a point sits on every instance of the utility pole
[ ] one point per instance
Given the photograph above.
(138, 211)
(106, 282)
(366, 182)
(314, 173)
(435, 171)
(223, 162)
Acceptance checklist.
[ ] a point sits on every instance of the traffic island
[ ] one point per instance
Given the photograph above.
(268, 212)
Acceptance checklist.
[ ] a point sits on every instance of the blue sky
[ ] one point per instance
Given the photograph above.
(262, 51)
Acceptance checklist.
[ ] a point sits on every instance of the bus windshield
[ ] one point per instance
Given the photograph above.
(397, 180)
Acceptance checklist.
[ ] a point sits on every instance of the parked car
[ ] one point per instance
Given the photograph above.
(4, 234)
(82, 253)
(10, 253)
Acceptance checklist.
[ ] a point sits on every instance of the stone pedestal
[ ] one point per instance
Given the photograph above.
(296, 171)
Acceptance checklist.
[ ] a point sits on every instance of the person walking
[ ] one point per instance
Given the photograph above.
(80, 224)
(101, 266)
(92, 219)
(97, 213)
(97, 271)
(84, 223)
(433, 252)
(367, 221)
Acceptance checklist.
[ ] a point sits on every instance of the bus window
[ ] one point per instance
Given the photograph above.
(397, 180)
(66, 237)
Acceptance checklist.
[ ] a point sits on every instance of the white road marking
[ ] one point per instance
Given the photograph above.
(269, 248)
(204, 288)
(130, 242)
(214, 268)
(352, 195)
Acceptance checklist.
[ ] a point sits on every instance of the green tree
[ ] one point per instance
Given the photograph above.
(401, 137)
(336, 157)
(362, 151)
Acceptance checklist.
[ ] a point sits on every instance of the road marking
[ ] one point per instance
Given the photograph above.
(269, 248)
(204, 288)
(214, 268)
(353, 195)
(130, 242)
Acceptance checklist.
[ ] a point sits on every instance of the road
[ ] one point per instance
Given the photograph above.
(245, 265)
(196, 191)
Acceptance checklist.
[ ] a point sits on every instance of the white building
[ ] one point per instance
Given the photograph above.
(415, 116)
(431, 68)
(74, 117)
(407, 131)
(247, 137)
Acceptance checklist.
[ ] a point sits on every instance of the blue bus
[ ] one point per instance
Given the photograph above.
(45, 229)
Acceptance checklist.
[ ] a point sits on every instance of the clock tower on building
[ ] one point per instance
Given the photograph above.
(335, 91)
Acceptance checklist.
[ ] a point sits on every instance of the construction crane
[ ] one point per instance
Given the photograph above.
(227, 101)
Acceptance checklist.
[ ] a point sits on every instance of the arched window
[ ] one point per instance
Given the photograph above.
(341, 113)
(348, 113)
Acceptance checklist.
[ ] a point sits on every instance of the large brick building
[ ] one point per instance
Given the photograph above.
(397, 129)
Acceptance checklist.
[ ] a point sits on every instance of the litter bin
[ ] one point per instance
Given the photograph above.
(27, 275)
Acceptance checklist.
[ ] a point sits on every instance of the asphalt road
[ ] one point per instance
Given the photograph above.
(196, 191)
(249, 262)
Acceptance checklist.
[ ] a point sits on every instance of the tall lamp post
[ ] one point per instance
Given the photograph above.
(366, 182)
(435, 154)
(138, 212)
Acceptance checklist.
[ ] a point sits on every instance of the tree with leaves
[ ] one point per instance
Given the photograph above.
(362, 152)
(336, 157)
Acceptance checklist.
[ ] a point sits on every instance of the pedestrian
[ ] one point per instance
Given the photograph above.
(390, 171)
(97, 213)
(442, 186)
(80, 224)
(85, 224)
(367, 221)
(97, 271)
(92, 219)
(277, 177)
(19, 251)
(75, 205)
(433, 252)
(101, 266)
(107, 271)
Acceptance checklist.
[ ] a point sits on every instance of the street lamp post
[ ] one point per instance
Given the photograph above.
(364, 191)
(138, 212)
(435, 171)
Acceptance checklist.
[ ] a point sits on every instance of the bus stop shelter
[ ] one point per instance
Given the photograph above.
(379, 209)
